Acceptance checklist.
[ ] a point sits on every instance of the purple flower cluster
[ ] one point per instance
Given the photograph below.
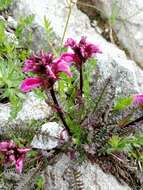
(82, 51)
(13, 154)
(48, 69)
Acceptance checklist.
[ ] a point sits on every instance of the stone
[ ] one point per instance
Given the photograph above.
(50, 136)
(91, 176)
(11, 22)
(4, 113)
(33, 108)
(2, 18)
(11, 38)
(127, 22)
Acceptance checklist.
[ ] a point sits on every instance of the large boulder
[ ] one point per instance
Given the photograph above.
(126, 19)
(69, 175)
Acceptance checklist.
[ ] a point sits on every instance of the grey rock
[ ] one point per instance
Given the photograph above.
(11, 22)
(2, 18)
(11, 38)
(128, 23)
(91, 176)
(33, 108)
(50, 136)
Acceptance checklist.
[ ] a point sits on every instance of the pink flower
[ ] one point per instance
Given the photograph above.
(6, 145)
(37, 63)
(47, 69)
(70, 43)
(13, 154)
(70, 58)
(82, 50)
(30, 83)
(19, 163)
(138, 100)
(61, 66)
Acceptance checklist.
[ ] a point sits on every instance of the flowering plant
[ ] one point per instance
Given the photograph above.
(98, 128)
(89, 127)
(47, 69)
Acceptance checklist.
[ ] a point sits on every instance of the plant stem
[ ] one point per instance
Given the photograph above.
(81, 81)
(67, 21)
(60, 113)
(134, 121)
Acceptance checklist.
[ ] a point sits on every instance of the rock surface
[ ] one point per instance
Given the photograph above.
(33, 108)
(127, 22)
(50, 136)
(91, 176)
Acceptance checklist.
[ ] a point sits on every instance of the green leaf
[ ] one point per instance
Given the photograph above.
(40, 183)
(138, 140)
(118, 144)
(122, 103)
(23, 23)
(4, 4)
(48, 27)
(2, 31)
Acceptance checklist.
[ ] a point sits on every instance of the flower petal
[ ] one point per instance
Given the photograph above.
(23, 150)
(68, 57)
(62, 66)
(12, 159)
(138, 99)
(50, 73)
(70, 43)
(5, 145)
(28, 65)
(93, 48)
(30, 83)
(19, 164)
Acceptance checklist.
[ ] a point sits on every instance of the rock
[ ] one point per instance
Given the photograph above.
(11, 38)
(4, 113)
(112, 61)
(91, 176)
(2, 18)
(11, 22)
(50, 136)
(38, 30)
(127, 22)
(33, 108)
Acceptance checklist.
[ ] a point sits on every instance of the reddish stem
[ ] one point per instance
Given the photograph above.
(81, 81)
(59, 110)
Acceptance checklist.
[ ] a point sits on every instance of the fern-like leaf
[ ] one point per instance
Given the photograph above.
(73, 176)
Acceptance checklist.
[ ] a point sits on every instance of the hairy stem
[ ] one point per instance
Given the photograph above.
(60, 113)
(81, 81)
